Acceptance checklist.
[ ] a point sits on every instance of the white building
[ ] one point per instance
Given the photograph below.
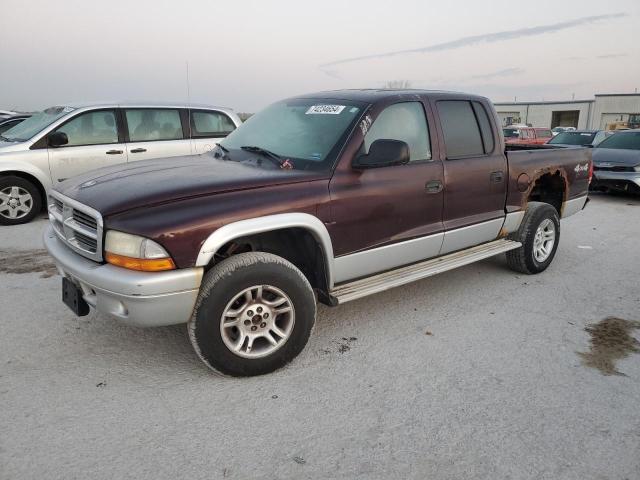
(606, 109)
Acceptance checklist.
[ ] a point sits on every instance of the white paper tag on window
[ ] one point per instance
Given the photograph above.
(325, 109)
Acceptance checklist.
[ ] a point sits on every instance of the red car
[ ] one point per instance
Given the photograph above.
(527, 135)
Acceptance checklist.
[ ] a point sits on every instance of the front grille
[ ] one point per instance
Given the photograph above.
(615, 168)
(79, 226)
(87, 243)
(84, 219)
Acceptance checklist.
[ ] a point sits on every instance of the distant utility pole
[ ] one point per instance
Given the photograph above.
(573, 96)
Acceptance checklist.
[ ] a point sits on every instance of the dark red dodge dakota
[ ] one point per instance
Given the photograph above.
(331, 197)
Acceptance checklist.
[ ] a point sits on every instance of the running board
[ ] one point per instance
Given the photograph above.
(401, 276)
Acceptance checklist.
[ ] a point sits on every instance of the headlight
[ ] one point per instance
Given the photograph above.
(637, 168)
(136, 253)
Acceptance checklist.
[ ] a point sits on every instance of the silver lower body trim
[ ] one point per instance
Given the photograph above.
(472, 235)
(402, 276)
(512, 221)
(361, 264)
(573, 206)
(145, 299)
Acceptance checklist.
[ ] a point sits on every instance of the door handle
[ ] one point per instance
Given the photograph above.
(114, 152)
(433, 186)
(138, 150)
(496, 177)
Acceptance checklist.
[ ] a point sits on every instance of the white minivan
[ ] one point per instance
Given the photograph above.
(64, 141)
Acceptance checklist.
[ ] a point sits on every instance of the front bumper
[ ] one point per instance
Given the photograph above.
(627, 181)
(145, 299)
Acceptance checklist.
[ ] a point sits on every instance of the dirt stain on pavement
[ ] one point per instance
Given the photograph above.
(611, 340)
(27, 261)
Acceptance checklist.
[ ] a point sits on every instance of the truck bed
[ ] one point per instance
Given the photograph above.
(531, 165)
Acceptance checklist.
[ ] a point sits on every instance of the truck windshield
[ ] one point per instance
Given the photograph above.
(511, 132)
(306, 132)
(573, 138)
(622, 141)
(35, 124)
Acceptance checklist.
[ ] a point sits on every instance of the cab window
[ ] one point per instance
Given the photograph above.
(406, 122)
(460, 127)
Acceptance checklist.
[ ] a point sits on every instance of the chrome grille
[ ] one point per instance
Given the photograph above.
(84, 219)
(79, 226)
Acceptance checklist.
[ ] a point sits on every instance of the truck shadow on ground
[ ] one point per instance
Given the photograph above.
(338, 332)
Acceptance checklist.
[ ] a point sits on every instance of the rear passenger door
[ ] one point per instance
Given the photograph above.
(207, 128)
(155, 133)
(475, 172)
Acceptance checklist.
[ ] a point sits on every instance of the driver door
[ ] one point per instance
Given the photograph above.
(389, 216)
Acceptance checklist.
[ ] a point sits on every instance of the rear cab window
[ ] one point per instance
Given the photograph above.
(466, 128)
(152, 124)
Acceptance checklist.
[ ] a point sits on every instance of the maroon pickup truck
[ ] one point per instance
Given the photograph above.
(331, 197)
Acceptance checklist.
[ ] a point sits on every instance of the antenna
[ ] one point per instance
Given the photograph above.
(188, 86)
(188, 99)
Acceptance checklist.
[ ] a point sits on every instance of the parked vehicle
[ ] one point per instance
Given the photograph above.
(10, 122)
(556, 130)
(6, 114)
(62, 142)
(336, 195)
(526, 135)
(616, 163)
(583, 138)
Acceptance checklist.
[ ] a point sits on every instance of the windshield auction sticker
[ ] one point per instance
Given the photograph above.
(325, 110)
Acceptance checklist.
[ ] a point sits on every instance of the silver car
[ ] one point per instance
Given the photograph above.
(64, 141)
(616, 163)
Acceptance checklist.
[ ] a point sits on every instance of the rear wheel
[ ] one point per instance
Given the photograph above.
(539, 234)
(254, 314)
(20, 200)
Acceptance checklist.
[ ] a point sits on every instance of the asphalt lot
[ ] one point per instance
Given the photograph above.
(474, 373)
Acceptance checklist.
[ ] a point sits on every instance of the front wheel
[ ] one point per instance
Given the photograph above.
(539, 234)
(254, 314)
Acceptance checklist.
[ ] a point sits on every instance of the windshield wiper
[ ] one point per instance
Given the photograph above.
(274, 157)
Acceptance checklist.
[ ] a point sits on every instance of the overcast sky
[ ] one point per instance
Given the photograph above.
(246, 54)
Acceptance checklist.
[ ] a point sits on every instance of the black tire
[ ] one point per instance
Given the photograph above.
(36, 199)
(523, 259)
(222, 284)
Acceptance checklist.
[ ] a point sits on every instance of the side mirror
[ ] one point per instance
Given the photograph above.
(383, 153)
(57, 139)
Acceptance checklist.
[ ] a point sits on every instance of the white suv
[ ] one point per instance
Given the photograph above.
(61, 142)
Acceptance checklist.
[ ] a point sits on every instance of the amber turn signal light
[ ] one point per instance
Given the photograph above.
(140, 264)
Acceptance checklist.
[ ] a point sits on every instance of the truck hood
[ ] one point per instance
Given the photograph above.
(144, 183)
(616, 156)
